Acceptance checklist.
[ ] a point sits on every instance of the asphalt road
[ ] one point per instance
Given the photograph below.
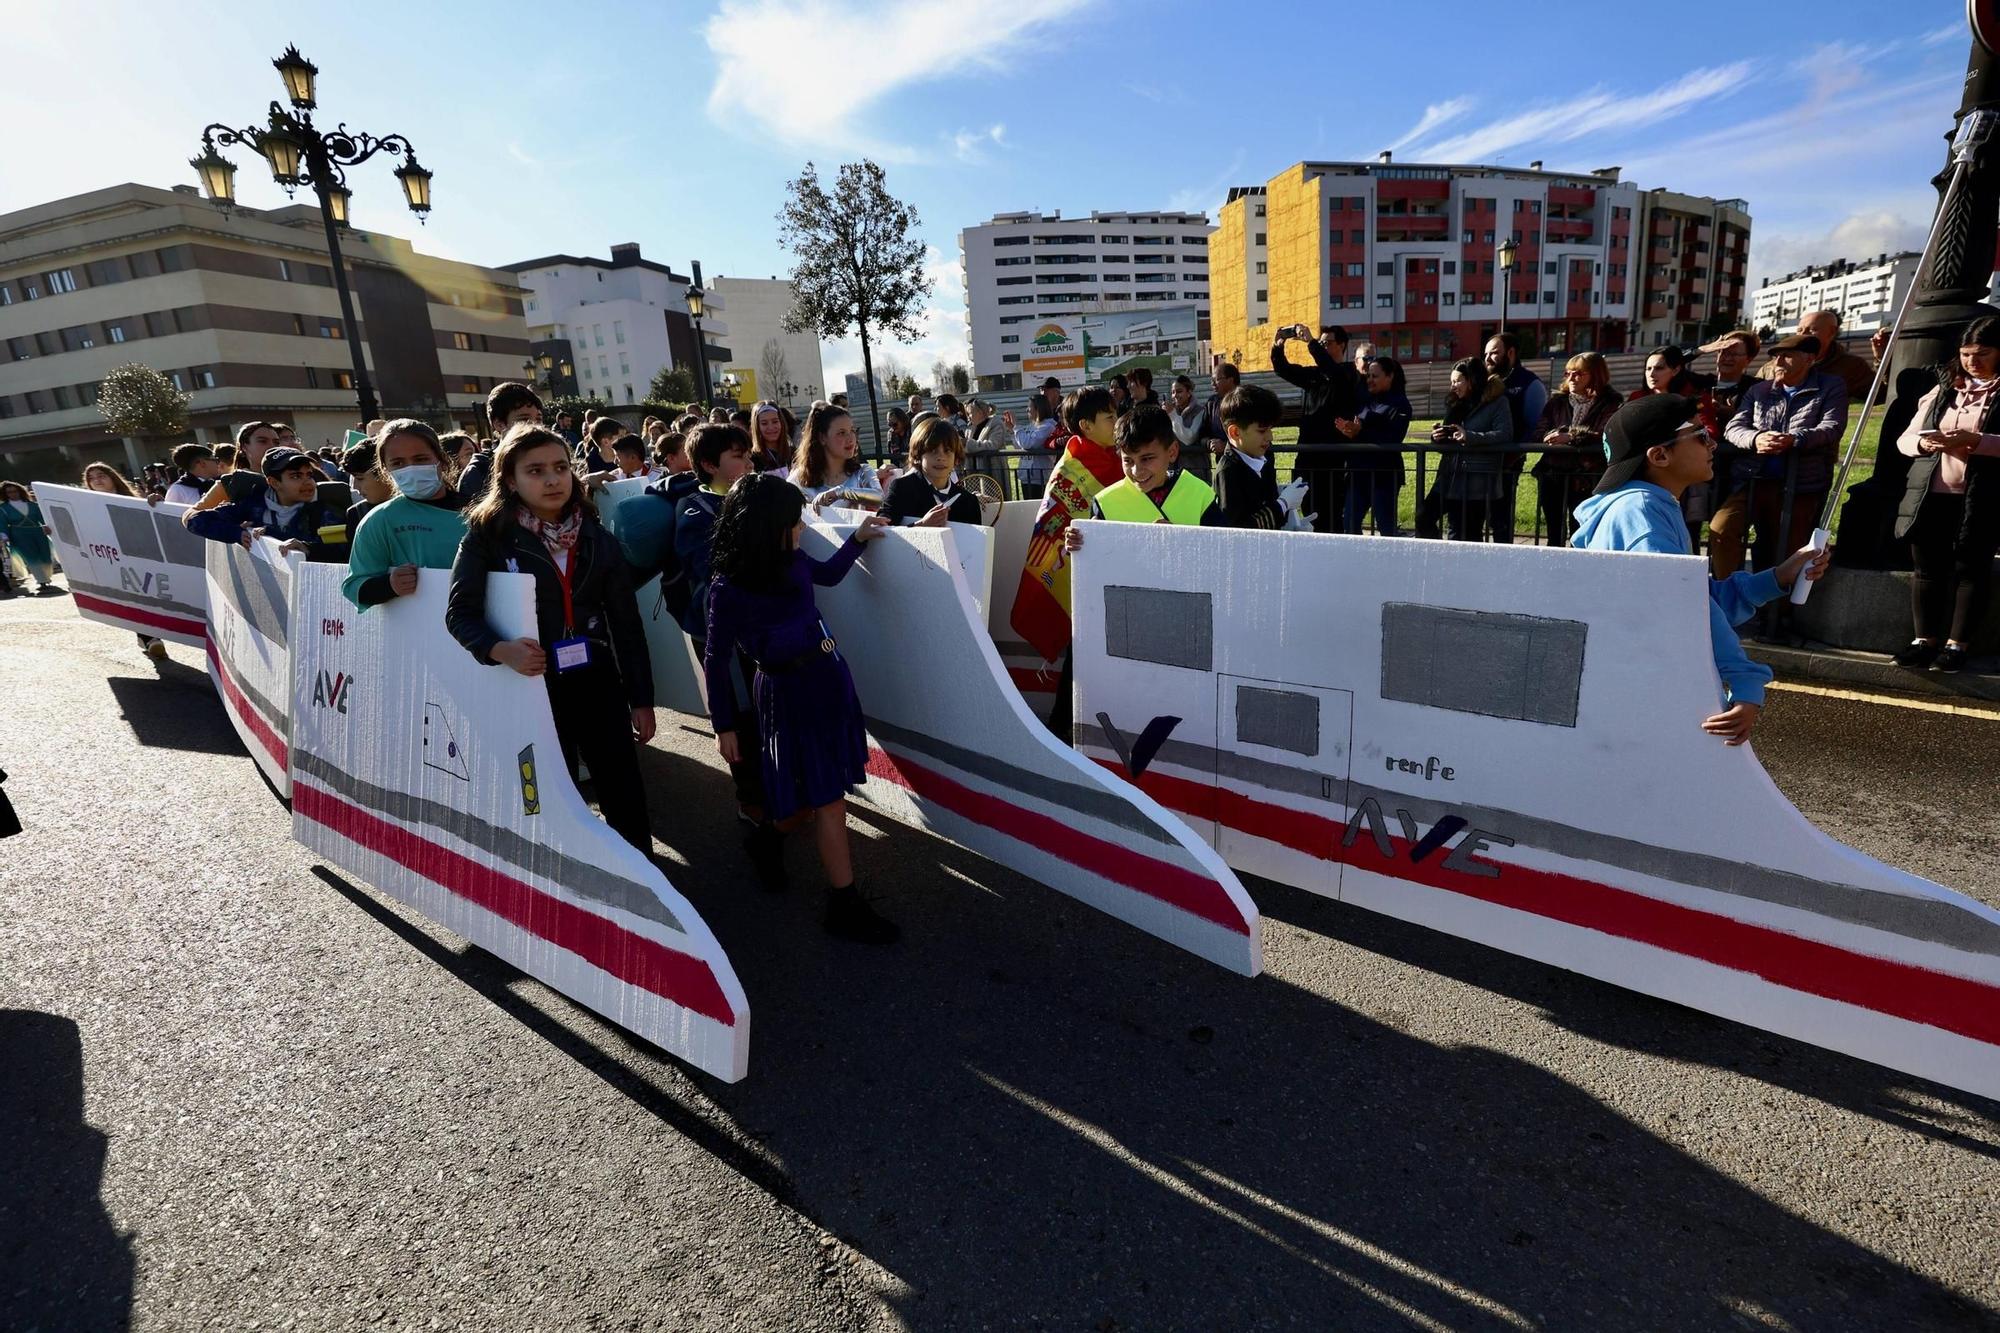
(238, 1092)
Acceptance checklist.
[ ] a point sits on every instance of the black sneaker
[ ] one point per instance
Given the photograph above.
(1918, 655)
(1950, 658)
(849, 917)
(766, 847)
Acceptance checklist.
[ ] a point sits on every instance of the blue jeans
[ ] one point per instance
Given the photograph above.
(1372, 488)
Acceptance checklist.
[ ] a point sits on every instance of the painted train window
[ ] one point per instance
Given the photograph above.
(1280, 719)
(1527, 668)
(1175, 629)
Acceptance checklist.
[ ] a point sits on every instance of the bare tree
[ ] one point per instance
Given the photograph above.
(773, 372)
(940, 376)
(857, 263)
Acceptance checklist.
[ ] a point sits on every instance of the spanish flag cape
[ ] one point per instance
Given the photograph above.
(1041, 607)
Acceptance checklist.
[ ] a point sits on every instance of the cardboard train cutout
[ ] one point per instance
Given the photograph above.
(1499, 743)
(1504, 743)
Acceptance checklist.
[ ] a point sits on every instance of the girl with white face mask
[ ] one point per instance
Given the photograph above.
(419, 527)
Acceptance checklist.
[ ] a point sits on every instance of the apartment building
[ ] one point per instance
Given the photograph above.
(784, 366)
(1409, 257)
(238, 308)
(621, 320)
(1866, 292)
(1020, 267)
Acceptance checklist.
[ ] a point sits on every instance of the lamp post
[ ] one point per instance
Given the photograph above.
(696, 299)
(1508, 250)
(300, 153)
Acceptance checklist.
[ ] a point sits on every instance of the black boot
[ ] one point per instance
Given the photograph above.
(849, 917)
(766, 846)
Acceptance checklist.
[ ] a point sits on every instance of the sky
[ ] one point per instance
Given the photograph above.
(678, 124)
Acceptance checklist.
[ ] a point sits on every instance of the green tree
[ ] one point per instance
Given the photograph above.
(138, 400)
(857, 262)
(675, 384)
(961, 377)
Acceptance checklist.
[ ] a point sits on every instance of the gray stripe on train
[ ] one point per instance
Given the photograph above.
(1917, 918)
(587, 881)
(1086, 800)
(193, 613)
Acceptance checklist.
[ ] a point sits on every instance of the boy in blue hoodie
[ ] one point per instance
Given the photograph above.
(1658, 449)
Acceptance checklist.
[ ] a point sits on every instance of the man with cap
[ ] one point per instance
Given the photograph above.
(1657, 450)
(1784, 435)
(288, 510)
(1823, 327)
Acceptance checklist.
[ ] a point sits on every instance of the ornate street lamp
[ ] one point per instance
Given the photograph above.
(1508, 249)
(696, 300)
(300, 153)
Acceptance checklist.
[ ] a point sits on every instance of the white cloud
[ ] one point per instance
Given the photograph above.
(805, 72)
(970, 145)
(1597, 112)
(1208, 196)
(1857, 237)
(1436, 114)
(1939, 36)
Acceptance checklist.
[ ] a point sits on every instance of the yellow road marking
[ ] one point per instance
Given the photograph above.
(1892, 700)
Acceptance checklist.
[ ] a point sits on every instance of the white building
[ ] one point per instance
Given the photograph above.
(1026, 266)
(1866, 293)
(773, 358)
(625, 320)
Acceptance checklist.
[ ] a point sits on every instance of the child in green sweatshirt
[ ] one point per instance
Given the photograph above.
(418, 527)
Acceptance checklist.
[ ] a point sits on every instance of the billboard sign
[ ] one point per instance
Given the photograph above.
(1055, 347)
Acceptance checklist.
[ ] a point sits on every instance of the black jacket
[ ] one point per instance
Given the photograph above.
(911, 496)
(1332, 390)
(607, 612)
(1248, 498)
(1980, 525)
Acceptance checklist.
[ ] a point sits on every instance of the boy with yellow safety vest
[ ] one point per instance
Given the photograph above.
(1154, 489)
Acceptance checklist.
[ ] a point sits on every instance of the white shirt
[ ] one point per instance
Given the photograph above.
(862, 482)
(181, 493)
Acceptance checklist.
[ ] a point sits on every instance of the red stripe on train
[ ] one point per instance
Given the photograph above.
(1191, 892)
(1900, 990)
(233, 695)
(136, 617)
(632, 958)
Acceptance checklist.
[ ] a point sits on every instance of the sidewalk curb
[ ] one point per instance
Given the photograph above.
(1840, 666)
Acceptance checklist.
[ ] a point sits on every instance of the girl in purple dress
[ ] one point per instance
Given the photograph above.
(814, 747)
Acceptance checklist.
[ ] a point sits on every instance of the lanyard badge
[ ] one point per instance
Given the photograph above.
(572, 652)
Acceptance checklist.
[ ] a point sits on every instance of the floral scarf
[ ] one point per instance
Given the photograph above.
(558, 537)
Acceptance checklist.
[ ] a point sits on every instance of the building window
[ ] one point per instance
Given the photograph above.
(1468, 238)
(30, 290)
(1488, 236)
(1357, 270)
(1549, 267)
(115, 332)
(604, 367)
(1355, 303)
(597, 331)
(618, 331)
(179, 381)
(205, 378)
(1011, 358)
(624, 366)
(6, 293)
(343, 379)
(1260, 238)
(586, 369)
(1385, 301)
(1450, 267)
(1261, 266)
(331, 330)
(312, 377)
(1260, 209)
(468, 386)
(1548, 298)
(1006, 338)
(1263, 295)
(61, 280)
(1449, 298)
(1385, 269)
(462, 341)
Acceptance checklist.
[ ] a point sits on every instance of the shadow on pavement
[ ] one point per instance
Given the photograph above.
(1627, 1019)
(62, 1262)
(171, 719)
(1032, 1114)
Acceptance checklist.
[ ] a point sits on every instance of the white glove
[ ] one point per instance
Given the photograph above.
(1297, 522)
(1294, 492)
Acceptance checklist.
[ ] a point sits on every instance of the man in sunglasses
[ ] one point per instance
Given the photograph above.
(1657, 450)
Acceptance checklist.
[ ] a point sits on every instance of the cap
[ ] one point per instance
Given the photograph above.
(1733, 336)
(1637, 427)
(1796, 342)
(280, 460)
